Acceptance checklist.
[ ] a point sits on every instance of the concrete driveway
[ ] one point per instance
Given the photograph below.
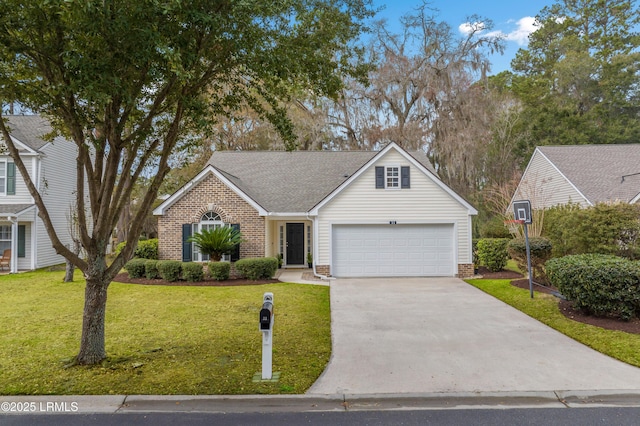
(421, 335)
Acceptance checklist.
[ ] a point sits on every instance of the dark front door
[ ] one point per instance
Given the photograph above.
(295, 243)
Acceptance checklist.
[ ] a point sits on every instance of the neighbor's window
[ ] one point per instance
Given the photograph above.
(5, 237)
(393, 177)
(3, 177)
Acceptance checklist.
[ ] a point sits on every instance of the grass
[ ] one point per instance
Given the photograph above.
(159, 339)
(544, 308)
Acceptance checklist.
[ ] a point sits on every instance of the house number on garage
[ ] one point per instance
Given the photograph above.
(393, 222)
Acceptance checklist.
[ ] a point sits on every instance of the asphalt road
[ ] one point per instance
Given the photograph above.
(620, 416)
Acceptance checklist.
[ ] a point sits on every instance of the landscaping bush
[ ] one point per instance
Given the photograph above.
(603, 228)
(170, 270)
(119, 247)
(540, 249)
(597, 284)
(135, 268)
(151, 269)
(147, 249)
(494, 228)
(492, 253)
(256, 268)
(219, 271)
(192, 271)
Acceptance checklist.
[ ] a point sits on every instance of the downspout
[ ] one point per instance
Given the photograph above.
(314, 221)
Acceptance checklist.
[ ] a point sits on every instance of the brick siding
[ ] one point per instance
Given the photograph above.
(210, 194)
(465, 270)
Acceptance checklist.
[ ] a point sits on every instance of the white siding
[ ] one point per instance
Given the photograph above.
(545, 186)
(425, 202)
(58, 185)
(22, 195)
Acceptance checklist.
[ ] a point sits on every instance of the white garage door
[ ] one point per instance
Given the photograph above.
(393, 250)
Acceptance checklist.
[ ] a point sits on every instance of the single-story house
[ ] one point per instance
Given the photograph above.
(581, 174)
(356, 213)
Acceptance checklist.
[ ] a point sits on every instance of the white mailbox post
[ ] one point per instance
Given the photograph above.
(266, 327)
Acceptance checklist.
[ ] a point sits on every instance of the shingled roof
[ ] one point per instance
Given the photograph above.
(597, 170)
(291, 182)
(29, 129)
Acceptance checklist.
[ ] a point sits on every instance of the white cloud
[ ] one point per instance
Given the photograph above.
(524, 27)
(520, 34)
(469, 27)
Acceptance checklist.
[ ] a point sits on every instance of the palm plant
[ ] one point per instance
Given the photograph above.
(217, 242)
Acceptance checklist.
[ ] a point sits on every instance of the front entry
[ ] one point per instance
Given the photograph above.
(295, 244)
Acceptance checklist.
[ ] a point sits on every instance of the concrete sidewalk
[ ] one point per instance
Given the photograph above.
(18, 405)
(441, 335)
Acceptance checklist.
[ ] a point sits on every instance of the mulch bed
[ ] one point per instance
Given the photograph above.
(124, 278)
(565, 306)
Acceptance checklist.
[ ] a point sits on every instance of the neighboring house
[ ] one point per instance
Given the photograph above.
(581, 174)
(52, 167)
(359, 214)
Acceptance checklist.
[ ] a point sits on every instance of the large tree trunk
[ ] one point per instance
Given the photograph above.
(92, 347)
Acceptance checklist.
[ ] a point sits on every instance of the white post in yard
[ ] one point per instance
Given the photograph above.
(266, 327)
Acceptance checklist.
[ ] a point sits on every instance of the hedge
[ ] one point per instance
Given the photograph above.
(170, 269)
(147, 249)
(219, 271)
(192, 271)
(135, 268)
(604, 228)
(151, 269)
(256, 268)
(540, 249)
(492, 253)
(601, 285)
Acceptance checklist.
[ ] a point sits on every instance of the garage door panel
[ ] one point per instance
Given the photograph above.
(393, 250)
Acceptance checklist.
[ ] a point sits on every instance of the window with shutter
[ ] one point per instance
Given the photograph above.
(404, 177)
(11, 179)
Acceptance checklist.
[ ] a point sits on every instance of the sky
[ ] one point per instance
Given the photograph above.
(514, 19)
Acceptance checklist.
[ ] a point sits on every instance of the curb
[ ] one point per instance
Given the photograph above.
(84, 404)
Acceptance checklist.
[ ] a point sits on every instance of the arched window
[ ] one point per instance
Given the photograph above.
(209, 220)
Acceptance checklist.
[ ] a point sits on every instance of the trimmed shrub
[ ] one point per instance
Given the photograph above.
(604, 228)
(540, 249)
(135, 268)
(151, 269)
(492, 253)
(219, 271)
(256, 268)
(598, 284)
(119, 247)
(192, 271)
(169, 270)
(147, 249)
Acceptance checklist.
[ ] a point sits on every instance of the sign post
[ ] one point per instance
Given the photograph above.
(522, 212)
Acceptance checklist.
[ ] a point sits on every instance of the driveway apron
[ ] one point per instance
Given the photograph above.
(415, 335)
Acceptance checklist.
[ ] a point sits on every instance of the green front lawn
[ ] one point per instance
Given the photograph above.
(160, 340)
(544, 308)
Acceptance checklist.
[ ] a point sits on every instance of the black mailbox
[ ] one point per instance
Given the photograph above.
(265, 316)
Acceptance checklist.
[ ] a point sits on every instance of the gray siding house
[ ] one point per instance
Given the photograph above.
(52, 168)
(582, 174)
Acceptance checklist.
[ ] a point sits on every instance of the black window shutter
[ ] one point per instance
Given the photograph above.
(404, 177)
(235, 254)
(186, 245)
(379, 177)
(21, 240)
(11, 179)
